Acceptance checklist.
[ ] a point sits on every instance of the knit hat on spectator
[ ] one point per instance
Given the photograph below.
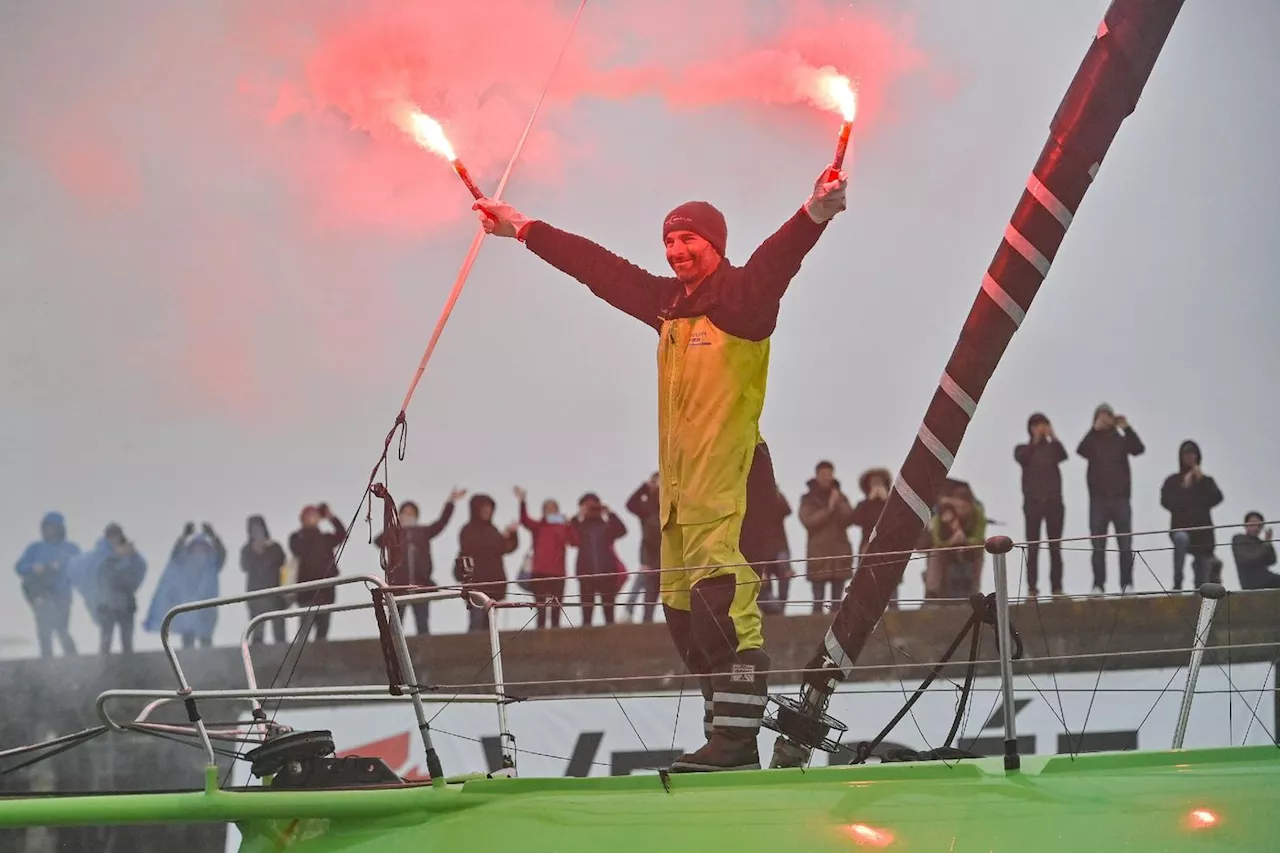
(702, 219)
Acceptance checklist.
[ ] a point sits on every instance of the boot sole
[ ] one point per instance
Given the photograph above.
(689, 767)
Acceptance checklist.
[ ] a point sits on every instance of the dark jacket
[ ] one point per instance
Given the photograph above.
(410, 563)
(1041, 476)
(485, 545)
(261, 567)
(550, 543)
(1189, 505)
(594, 537)
(315, 550)
(643, 504)
(829, 551)
(1254, 556)
(118, 580)
(1108, 452)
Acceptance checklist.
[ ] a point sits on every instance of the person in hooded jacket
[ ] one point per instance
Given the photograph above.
(826, 513)
(593, 531)
(45, 570)
(550, 543)
(1041, 458)
(1190, 495)
(481, 549)
(410, 563)
(874, 485)
(261, 559)
(190, 575)
(116, 568)
(315, 551)
(1255, 554)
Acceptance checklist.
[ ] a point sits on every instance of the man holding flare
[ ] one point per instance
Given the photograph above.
(714, 321)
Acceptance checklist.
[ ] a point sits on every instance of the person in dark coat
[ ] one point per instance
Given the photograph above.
(593, 532)
(410, 563)
(827, 514)
(874, 485)
(1255, 555)
(44, 568)
(120, 570)
(261, 559)
(643, 504)
(1041, 458)
(1189, 496)
(1108, 446)
(547, 570)
(483, 546)
(190, 575)
(315, 550)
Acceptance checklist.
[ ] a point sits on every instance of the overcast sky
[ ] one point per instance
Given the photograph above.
(196, 327)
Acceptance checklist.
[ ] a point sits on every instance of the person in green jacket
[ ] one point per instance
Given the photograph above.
(714, 321)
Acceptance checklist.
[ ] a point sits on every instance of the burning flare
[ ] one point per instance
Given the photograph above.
(428, 133)
(842, 95)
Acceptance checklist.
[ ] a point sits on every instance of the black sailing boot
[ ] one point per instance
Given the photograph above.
(737, 705)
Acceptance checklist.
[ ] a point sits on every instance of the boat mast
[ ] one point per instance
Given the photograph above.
(1103, 93)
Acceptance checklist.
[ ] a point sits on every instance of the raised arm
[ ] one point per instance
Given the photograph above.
(616, 280)
(770, 269)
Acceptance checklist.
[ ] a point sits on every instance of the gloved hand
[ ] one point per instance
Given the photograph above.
(828, 198)
(500, 218)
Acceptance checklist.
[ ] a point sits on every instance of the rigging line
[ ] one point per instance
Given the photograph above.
(493, 614)
(625, 715)
(470, 259)
(1115, 621)
(524, 751)
(1163, 692)
(63, 744)
(1217, 665)
(1057, 690)
(1231, 705)
(1262, 691)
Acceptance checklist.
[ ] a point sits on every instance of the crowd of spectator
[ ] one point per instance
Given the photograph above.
(109, 575)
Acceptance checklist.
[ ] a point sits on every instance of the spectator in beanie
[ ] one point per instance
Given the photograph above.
(315, 551)
(550, 543)
(261, 560)
(44, 568)
(481, 548)
(593, 532)
(1108, 446)
(1255, 555)
(1040, 459)
(826, 514)
(410, 563)
(1190, 496)
(643, 504)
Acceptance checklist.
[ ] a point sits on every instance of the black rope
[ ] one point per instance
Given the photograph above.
(55, 748)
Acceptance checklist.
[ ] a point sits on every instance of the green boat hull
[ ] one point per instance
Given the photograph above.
(1197, 800)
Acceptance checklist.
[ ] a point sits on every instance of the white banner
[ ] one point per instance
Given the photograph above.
(607, 735)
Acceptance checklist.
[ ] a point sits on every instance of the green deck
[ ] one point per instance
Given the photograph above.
(1201, 800)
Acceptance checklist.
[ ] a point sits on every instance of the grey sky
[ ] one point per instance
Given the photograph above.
(195, 353)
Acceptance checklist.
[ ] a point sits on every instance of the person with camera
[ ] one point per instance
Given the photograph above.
(1041, 459)
(826, 514)
(1255, 554)
(46, 583)
(190, 575)
(1107, 447)
(315, 551)
(1190, 496)
(955, 540)
(593, 531)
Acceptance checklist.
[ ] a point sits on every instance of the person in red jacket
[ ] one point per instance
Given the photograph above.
(550, 540)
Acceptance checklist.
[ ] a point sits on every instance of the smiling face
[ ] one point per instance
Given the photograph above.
(691, 257)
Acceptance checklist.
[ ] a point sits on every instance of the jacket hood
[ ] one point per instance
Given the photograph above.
(864, 481)
(1183, 448)
(256, 519)
(1040, 418)
(478, 501)
(58, 522)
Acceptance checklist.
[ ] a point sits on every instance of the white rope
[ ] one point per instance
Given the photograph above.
(470, 259)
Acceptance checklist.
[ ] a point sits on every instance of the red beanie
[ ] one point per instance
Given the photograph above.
(702, 219)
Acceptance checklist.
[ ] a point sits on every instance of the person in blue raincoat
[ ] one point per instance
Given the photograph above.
(108, 577)
(46, 583)
(190, 575)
